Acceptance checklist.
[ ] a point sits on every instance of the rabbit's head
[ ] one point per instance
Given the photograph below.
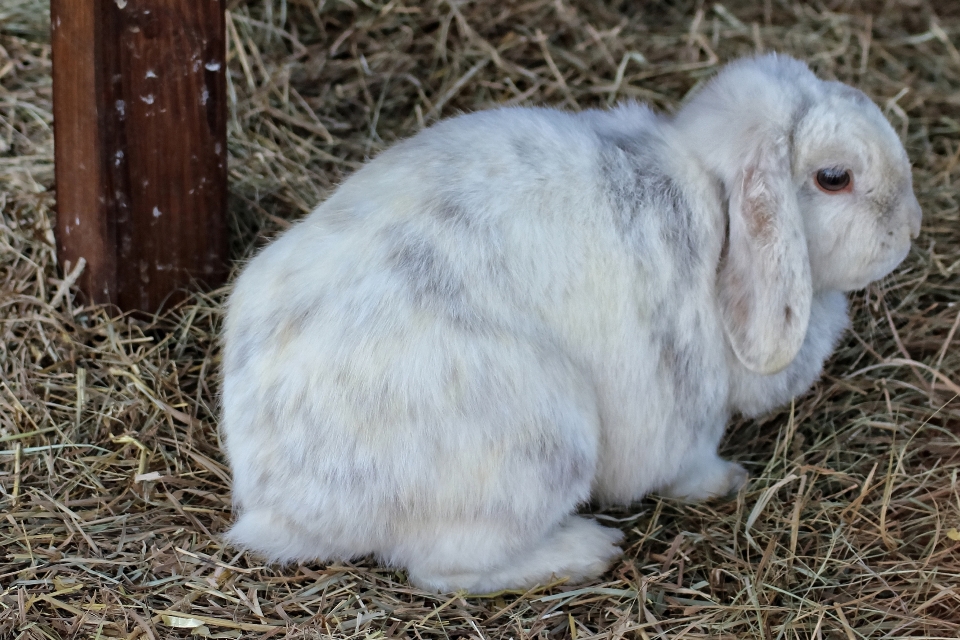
(819, 196)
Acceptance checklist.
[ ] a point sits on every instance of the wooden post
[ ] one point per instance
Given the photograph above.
(139, 92)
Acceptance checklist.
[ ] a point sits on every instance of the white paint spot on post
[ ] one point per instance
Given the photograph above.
(151, 74)
(121, 4)
(205, 96)
(121, 108)
(212, 66)
(148, 99)
(157, 213)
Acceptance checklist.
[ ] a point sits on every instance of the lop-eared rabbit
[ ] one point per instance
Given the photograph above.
(519, 310)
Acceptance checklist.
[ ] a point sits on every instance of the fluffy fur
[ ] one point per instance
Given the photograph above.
(521, 309)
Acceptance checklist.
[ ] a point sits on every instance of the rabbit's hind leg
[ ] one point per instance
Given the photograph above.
(503, 510)
(278, 539)
(577, 548)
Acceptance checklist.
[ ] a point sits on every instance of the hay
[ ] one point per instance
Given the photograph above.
(112, 486)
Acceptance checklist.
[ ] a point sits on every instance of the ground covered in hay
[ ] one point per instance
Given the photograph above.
(112, 485)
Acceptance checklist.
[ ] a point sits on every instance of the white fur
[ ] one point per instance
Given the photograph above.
(520, 309)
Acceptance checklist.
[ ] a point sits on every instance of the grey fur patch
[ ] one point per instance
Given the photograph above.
(680, 364)
(486, 240)
(427, 273)
(355, 473)
(637, 185)
(430, 277)
(561, 466)
(529, 151)
(241, 351)
(630, 145)
(449, 211)
(796, 118)
(287, 410)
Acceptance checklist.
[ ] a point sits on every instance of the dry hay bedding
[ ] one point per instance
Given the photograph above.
(113, 485)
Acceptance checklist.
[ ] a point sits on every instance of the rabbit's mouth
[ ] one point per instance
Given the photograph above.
(881, 268)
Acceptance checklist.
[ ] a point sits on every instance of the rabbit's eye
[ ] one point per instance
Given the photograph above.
(834, 180)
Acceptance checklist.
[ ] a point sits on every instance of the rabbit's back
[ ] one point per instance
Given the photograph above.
(523, 220)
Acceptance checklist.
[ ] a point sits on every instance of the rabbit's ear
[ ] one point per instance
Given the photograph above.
(765, 288)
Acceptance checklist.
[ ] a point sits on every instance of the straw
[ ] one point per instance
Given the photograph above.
(113, 487)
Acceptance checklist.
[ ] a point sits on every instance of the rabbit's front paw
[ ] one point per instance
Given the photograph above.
(708, 478)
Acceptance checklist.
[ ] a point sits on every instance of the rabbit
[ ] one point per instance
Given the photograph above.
(520, 310)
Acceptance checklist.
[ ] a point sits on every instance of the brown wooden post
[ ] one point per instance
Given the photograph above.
(139, 92)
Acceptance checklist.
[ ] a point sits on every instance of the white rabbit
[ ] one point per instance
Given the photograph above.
(518, 310)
